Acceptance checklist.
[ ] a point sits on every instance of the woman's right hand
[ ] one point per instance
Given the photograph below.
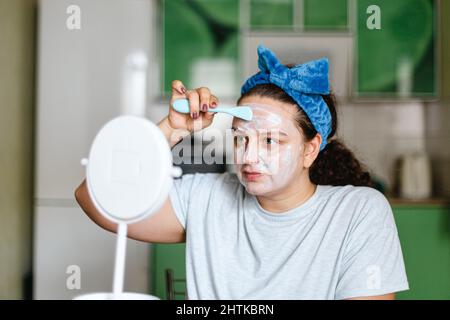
(200, 100)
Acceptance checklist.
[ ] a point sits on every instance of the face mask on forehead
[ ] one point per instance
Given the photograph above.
(269, 146)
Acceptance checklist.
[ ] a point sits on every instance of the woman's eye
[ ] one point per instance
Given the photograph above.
(270, 141)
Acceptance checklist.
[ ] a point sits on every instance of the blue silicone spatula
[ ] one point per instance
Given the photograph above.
(242, 112)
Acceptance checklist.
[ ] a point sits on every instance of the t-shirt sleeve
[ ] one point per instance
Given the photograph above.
(373, 261)
(185, 192)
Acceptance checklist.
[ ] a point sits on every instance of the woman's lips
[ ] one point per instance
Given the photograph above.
(252, 176)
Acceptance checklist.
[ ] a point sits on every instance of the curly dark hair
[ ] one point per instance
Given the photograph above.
(335, 165)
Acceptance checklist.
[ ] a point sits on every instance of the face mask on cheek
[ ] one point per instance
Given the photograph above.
(276, 163)
(276, 172)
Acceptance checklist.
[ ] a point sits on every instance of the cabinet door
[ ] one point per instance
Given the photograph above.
(200, 45)
(399, 58)
(425, 239)
(327, 15)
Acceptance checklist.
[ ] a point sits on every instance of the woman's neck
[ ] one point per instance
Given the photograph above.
(293, 196)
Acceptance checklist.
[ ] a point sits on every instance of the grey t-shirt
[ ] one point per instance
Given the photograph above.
(341, 243)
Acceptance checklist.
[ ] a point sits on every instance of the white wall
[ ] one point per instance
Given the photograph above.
(80, 88)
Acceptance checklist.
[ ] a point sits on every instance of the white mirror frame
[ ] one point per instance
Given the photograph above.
(129, 158)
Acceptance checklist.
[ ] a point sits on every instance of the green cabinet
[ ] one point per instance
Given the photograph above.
(424, 233)
(167, 256)
(198, 31)
(399, 58)
(271, 15)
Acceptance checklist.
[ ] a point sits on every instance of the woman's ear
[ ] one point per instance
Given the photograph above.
(312, 149)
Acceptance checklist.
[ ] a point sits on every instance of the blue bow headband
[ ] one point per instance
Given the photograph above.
(305, 83)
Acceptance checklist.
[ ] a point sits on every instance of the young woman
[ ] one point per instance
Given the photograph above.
(298, 220)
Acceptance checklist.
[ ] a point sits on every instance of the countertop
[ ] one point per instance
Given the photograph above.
(431, 202)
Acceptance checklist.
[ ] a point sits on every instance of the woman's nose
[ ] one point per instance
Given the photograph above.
(251, 152)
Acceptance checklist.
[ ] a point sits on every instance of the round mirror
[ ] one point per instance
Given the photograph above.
(129, 171)
(129, 175)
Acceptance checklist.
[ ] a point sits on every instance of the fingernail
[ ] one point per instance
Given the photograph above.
(204, 108)
(213, 104)
(195, 115)
(183, 89)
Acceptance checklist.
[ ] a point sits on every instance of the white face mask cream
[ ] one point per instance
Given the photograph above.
(267, 149)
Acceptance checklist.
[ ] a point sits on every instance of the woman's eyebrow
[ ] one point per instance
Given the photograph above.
(264, 131)
(276, 131)
(234, 129)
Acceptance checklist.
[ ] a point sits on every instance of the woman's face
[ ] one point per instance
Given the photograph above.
(268, 149)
